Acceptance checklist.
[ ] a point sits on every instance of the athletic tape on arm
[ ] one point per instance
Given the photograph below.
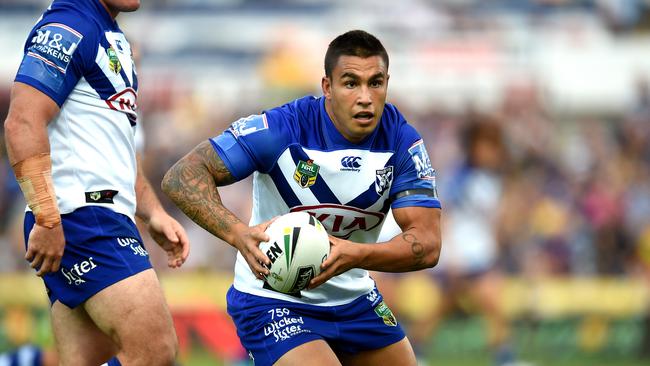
(34, 176)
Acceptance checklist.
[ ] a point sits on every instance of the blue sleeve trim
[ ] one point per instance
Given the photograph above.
(233, 155)
(58, 99)
(416, 200)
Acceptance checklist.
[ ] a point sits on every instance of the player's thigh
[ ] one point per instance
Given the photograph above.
(314, 353)
(132, 310)
(78, 340)
(399, 354)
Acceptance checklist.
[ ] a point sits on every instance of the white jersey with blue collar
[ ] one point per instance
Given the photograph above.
(78, 56)
(301, 162)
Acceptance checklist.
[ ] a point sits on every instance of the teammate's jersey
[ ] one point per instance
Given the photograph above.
(26, 355)
(78, 56)
(302, 163)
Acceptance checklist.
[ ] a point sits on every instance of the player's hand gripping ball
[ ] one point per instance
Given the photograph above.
(298, 245)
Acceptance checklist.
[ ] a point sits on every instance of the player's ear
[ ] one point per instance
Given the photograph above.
(327, 87)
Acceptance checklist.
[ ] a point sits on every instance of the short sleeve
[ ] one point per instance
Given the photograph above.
(253, 143)
(57, 52)
(415, 178)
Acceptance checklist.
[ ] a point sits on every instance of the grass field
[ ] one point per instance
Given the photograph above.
(575, 340)
(561, 342)
(202, 358)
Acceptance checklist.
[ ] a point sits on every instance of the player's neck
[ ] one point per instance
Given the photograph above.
(328, 110)
(330, 113)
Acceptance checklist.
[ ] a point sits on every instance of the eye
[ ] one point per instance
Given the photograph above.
(376, 83)
(349, 84)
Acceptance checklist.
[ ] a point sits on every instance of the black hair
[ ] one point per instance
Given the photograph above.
(353, 43)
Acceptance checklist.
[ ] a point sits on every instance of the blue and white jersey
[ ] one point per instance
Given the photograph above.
(26, 355)
(301, 162)
(78, 56)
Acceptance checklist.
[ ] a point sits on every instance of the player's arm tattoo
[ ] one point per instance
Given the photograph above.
(417, 249)
(192, 185)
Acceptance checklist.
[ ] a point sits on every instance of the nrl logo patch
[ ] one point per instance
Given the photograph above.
(383, 311)
(113, 61)
(105, 196)
(306, 173)
(95, 196)
(383, 179)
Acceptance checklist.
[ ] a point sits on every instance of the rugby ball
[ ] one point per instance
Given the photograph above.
(298, 245)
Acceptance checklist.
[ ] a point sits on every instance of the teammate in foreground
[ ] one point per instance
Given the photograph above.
(345, 157)
(70, 139)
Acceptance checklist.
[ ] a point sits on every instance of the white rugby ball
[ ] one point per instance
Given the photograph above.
(298, 245)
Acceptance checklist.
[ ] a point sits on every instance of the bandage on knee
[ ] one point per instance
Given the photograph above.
(34, 176)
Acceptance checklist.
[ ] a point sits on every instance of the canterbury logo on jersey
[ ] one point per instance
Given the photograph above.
(351, 163)
(341, 221)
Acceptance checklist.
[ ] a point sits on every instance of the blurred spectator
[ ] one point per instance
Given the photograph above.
(573, 198)
(468, 264)
(29, 355)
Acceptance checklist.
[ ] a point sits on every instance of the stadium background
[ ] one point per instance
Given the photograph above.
(567, 81)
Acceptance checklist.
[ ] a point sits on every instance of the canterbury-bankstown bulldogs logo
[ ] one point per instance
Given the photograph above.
(383, 179)
(351, 163)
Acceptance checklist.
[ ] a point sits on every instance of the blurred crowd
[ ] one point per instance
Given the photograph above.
(535, 114)
(568, 193)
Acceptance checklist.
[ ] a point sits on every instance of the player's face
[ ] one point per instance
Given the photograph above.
(355, 95)
(115, 7)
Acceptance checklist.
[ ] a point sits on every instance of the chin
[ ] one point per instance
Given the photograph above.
(135, 7)
(362, 133)
(129, 6)
(364, 125)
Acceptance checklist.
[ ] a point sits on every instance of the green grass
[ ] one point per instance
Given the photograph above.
(462, 342)
(204, 359)
(200, 357)
(577, 362)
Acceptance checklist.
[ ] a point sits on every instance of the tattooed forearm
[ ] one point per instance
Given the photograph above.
(417, 249)
(192, 185)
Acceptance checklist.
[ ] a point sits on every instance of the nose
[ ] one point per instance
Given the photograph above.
(364, 97)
